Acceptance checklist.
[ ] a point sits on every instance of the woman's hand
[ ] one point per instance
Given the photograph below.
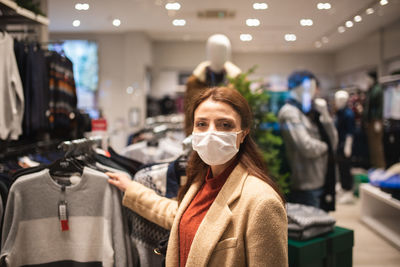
(119, 180)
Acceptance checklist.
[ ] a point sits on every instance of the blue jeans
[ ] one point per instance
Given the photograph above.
(306, 197)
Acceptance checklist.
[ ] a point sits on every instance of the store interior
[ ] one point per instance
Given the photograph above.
(128, 67)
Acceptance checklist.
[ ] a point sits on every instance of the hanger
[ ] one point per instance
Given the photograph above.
(68, 165)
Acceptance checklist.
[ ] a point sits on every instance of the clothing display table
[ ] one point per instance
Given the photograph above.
(381, 212)
(330, 250)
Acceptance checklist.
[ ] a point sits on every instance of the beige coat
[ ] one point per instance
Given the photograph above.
(245, 226)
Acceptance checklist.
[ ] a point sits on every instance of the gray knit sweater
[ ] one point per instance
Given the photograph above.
(97, 234)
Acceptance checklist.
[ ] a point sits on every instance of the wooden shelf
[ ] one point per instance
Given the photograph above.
(381, 212)
(14, 14)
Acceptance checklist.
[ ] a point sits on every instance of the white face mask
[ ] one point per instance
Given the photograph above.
(215, 148)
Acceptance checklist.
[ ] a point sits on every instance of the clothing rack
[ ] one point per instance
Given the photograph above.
(15, 149)
(389, 79)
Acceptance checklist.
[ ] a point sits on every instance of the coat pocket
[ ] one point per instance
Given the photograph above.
(226, 243)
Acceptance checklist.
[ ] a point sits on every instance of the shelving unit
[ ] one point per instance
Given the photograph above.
(381, 213)
(11, 13)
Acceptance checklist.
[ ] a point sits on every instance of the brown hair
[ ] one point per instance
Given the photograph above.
(249, 154)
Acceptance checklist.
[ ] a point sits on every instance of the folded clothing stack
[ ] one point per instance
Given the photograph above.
(305, 222)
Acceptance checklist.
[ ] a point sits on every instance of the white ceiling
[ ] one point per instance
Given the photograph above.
(281, 17)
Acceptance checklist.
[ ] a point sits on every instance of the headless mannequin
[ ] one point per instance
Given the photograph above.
(212, 72)
(305, 94)
(345, 125)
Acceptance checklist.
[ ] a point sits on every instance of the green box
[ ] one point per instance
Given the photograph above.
(309, 253)
(334, 249)
(340, 247)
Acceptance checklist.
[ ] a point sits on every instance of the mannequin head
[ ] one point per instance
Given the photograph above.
(341, 98)
(303, 87)
(218, 51)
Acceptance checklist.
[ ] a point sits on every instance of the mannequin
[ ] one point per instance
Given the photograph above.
(212, 72)
(345, 125)
(310, 139)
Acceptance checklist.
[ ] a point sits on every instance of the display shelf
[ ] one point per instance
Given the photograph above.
(381, 212)
(14, 14)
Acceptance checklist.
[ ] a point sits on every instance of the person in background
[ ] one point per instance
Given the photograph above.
(229, 212)
(345, 125)
(310, 139)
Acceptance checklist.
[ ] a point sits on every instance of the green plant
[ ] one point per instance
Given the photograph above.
(269, 141)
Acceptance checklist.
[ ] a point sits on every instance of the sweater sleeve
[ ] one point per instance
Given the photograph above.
(145, 202)
(10, 226)
(294, 131)
(266, 237)
(120, 235)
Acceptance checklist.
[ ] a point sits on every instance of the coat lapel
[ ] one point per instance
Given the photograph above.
(172, 258)
(216, 220)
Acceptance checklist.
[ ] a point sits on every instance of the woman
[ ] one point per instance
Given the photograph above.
(229, 213)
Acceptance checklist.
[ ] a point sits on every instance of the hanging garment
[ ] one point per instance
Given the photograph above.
(62, 96)
(93, 233)
(11, 91)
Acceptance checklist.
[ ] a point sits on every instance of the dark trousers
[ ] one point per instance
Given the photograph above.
(344, 164)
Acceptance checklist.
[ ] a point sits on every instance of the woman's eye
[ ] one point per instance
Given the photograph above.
(200, 124)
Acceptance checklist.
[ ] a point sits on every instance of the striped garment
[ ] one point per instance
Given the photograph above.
(97, 235)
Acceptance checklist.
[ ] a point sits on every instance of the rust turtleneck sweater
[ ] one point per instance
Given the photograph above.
(197, 209)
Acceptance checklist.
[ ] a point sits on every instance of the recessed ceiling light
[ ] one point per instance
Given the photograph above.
(129, 90)
(179, 22)
(173, 6)
(306, 22)
(260, 6)
(341, 29)
(383, 2)
(116, 22)
(357, 18)
(84, 6)
(325, 40)
(76, 23)
(252, 22)
(369, 11)
(245, 37)
(290, 37)
(318, 44)
(349, 24)
(324, 6)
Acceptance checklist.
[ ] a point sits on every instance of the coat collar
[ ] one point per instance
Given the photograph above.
(213, 225)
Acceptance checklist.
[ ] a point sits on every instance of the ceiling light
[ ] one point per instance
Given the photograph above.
(290, 37)
(349, 24)
(260, 6)
(369, 11)
(318, 44)
(173, 6)
(83, 6)
(116, 22)
(76, 23)
(324, 6)
(129, 90)
(357, 18)
(383, 2)
(252, 22)
(179, 22)
(306, 22)
(245, 37)
(341, 29)
(325, 40)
